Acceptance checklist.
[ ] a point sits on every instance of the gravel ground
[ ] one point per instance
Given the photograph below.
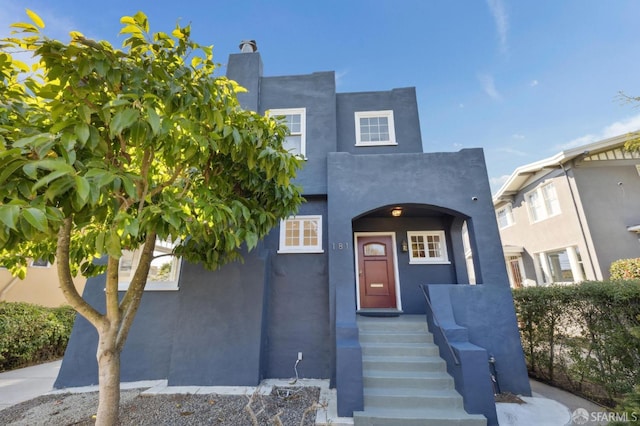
(286, 404)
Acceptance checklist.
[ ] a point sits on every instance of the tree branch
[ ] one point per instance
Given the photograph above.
(65, 279)
(133, 296)
(111, 291)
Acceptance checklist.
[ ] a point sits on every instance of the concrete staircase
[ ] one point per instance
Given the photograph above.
(405, 380)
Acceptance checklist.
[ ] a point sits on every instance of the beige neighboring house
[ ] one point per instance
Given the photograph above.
(40, 286)
(564, 219)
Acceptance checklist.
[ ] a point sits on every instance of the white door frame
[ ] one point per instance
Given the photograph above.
(395, 264)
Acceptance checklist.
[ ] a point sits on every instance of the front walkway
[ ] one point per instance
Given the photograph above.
(550, 406)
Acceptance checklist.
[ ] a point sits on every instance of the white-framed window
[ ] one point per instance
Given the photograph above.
(504, 216)
(561, 266)
(164, 273)
(375, 128)
(427, 247)
(543, 202)
(301, 234)
(295, 119)
(40, 263)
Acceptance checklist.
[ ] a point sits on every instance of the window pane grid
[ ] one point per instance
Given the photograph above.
(543, 202)
(428, 246)
(301, 234)
(374, 128)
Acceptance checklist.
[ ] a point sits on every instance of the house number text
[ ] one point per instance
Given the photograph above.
(340, 246)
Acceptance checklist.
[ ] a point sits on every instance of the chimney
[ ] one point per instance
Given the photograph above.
(246, 69)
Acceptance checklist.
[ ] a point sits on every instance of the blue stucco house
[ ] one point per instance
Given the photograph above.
(389, 236)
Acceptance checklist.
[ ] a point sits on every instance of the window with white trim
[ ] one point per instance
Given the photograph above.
(295, 119)
(164, 272)
(504, 216)
(375, 128)
(543, 202)
(40, 263)
(561, 266)
(301, 234)
(427, 247)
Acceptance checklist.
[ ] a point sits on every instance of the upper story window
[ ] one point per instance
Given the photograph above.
(427, 247)
(295, 119)
(163, 273)
(504, 216)
(301, 234)
(40, 263)
(375, 128)
(543, 202)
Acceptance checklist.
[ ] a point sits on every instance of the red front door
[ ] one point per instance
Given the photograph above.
(376, 272)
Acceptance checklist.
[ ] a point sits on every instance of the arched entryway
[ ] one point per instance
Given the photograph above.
(400, 246)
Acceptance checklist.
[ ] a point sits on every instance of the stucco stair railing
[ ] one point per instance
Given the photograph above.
(405, 380)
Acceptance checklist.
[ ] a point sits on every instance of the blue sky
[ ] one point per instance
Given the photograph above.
(521, 79)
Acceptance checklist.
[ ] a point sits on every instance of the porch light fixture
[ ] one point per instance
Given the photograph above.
(396, 211)
(405, 246)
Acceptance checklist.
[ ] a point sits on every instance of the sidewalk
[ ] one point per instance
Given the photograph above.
(549, 406)
(27, 383)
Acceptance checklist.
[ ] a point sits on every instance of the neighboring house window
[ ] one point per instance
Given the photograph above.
(164, 272)
(301, 234)
(543, 202)
(427, 247)
(295, 119)
(504, 216)
(562, 266)
(40, 263)
(375, 128)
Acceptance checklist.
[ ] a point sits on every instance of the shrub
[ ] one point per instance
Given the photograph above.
(30, 333)
(583, 337)
(625, 269)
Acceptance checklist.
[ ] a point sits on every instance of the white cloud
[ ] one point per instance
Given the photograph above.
(534, 83)
(517, 136)
(630, 124)
(501, 20)
(461, 105)
(512, 151)
(340, 77)
(489, 86)
(497, 182)
(582, 140)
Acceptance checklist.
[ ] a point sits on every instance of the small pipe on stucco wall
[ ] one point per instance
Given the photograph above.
(7, 287)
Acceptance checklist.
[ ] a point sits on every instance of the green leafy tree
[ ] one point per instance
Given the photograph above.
(104, 150)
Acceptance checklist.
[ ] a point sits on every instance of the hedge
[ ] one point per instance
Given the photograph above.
(30, 334)
(583, 337)
(625, 269)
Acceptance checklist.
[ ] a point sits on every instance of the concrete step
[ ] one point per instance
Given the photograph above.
(396, 337)
(417, 323)
(399, 349)
(405, 380)
(416, 417)
(402, 363)
(412, 398)
(408, 379)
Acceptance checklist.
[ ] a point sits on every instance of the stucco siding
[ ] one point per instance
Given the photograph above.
(405, 114)
(317, 94)
(610, 195)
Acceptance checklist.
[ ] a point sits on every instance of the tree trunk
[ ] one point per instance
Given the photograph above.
(109, 378)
